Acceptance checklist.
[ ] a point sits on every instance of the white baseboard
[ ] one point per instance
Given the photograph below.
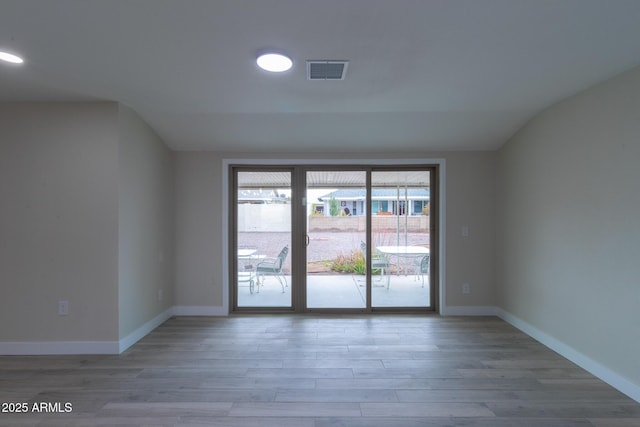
(27, 348)
(38, 348)
(32, 348)
(143, 330)
(605, 374)
(464, 310)
(194, 310)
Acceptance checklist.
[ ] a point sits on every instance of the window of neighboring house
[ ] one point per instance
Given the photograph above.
(418, 205)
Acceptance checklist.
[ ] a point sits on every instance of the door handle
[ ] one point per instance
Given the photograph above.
(307, 240)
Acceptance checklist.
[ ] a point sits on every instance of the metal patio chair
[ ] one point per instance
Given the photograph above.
(378, 262)
(273, 267)
(424, 267)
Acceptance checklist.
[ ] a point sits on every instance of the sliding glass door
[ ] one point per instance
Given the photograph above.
(263, 217)
(400, 235)
(336, 229)
(317, 238)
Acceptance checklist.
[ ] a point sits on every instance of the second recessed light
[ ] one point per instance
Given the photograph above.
(274, 62)
(10, 57)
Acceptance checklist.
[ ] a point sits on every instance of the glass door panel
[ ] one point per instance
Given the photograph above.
(336, 229)
(263, 239)
(400, 226)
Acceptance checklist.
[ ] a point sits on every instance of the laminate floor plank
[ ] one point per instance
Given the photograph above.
(374, 383)
(192, 373)
(296, 373)
(246, 422)
(296, 409)
(525, 373)
(432, 372)
(425, 409)
(615, 422)
(317, 371)
(333, 363)
(215, 395)
(457, 396)
(451, 422)
(568, 408)
(260, 383)
(166, 409)
(336, 395)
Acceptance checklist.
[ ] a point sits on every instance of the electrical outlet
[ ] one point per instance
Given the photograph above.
(63, 307)
(466, 288)
(160, 294)
(464, 231)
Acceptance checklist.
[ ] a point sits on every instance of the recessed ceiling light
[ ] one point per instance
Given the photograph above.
(10, 57)
(274, 62)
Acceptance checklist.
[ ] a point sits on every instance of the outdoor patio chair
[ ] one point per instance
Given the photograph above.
(273, 267)
(378, 262)
(424, 267)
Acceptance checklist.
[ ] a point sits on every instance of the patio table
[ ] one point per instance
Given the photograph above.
(246, 252)
(246, 273)
(406, 252)
(247, 259)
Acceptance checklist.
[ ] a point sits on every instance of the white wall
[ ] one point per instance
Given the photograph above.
(199, 230)
(568, 230)
(145, 224)
(58, 222)
(271, 217)
(470, 179)
(87, 217)
(470, 202)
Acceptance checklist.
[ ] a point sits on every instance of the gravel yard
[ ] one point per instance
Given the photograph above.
(323, 245)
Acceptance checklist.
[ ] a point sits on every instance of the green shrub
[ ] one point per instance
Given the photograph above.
(334, 206)
(353, 263)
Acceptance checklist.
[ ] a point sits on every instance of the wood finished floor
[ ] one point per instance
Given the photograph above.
(319, 371)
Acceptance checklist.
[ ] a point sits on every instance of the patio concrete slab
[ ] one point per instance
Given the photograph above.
(341, 291)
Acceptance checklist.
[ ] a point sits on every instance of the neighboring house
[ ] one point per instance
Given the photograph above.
(387, 201)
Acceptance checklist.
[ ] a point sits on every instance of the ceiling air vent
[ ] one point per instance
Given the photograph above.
(326, 70)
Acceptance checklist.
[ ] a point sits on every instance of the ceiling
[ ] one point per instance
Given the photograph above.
(422, 74)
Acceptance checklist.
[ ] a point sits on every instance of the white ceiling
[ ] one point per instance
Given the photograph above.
(423, 74)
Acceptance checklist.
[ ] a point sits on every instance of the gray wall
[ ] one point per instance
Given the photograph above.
(470, 201)
(145, 224)
(87, 216)
(58, 222)
(470, 198)
(568, 247)
(198, 230)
